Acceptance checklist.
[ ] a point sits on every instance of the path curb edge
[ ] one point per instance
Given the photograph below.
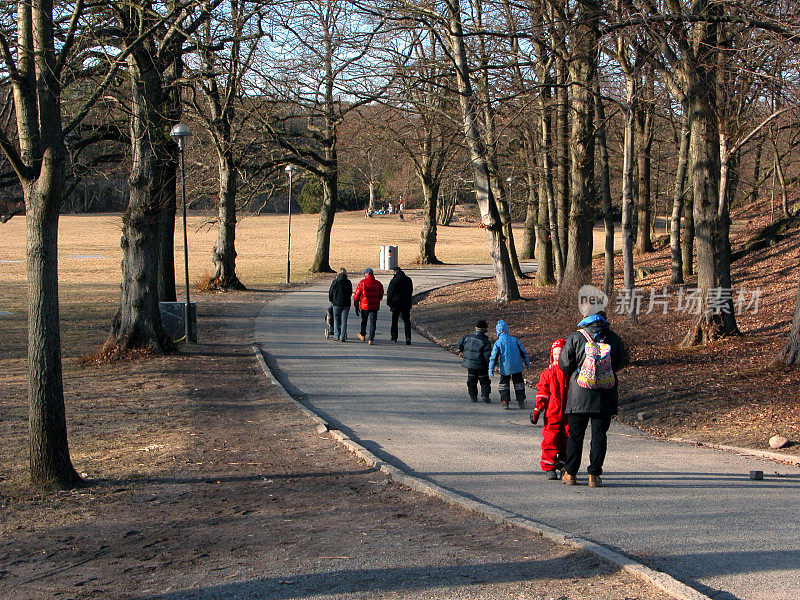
(666, 583)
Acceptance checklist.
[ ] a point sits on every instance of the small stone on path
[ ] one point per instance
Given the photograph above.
(778, 441)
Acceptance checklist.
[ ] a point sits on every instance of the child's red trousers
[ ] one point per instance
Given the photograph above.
(551, 396)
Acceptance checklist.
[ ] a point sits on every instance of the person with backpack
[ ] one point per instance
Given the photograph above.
(511, 358)
(339, 295)
(590, 360)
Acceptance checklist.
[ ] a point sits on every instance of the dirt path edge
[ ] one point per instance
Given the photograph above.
(664, 582)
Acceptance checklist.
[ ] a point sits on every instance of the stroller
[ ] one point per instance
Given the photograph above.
(329, 322)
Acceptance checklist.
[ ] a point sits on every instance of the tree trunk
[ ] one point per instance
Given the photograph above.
(224, 253)
(50, 462)
(781, 180)
(677, 208)
(582, 70)
(562, 147)
(605, 189)
(499, 193)
(330, 196)
(507, 289)
(427, 238)
(530, 233)
(166, 228)
(790, 354)
(544, 247)
(629, 283)
(371, 207)
(687, 240)
(704, 154)
(137, 323)
(644, 133)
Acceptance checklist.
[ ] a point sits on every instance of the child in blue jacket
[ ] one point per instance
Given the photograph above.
(510, 357)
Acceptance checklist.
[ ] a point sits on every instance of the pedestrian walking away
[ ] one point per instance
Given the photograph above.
(476, 351)
(509, 355)
(339, 295)
(590, 360)
(367, 300)
(551, 393)
(398, 297)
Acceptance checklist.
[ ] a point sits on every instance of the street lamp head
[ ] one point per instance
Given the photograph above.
(181, 134)
(510, 180)
(290, 170)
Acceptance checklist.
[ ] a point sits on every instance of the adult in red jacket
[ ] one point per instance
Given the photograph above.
(367, 298)
(551, 396)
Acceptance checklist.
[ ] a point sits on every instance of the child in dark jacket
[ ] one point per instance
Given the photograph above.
(476, 350)
(551, 395)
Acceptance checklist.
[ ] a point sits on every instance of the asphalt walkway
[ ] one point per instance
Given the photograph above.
(691, 512)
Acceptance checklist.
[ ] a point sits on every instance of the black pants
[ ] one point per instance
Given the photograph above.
(406, 313)
(473, 377)
(504, 387)
(597, 451)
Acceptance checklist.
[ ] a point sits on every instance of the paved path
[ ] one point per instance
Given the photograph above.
(691, 512)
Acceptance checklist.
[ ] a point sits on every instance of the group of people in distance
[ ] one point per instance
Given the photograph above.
(367, 302)
(578, 387)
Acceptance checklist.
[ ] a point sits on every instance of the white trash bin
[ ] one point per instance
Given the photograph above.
(388, 261)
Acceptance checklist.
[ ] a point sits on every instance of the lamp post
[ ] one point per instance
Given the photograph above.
(290, 170)
(181, 134)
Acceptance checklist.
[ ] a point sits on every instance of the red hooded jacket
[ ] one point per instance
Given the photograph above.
(369, 293)
(551, 391)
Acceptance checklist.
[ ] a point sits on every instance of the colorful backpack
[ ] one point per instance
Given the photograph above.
(596, 372)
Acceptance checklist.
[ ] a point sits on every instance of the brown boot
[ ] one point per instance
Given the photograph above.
(568, 479)
(595, 481)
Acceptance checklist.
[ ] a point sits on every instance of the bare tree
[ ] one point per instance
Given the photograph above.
(225, 50)
(317, 68)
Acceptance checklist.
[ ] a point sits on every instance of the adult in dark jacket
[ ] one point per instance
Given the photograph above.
(367, 298)
(339, 294)
(398, 297)
(586, 405)
(476, 349)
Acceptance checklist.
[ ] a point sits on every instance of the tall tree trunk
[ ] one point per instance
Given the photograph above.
(677, 208)
(756, 189)
(687, 240)
(507, 288)
(562, 153)
(137, 322)
(530, 233)
(727, 182)
(166, 229)
(50, 462)
(790, 353)
(427, 238)
(644, 132)
(781, 180)
(168, 173)
(371, 207)
(330, 196)
(605, 190)
(629, 282)
(544, 248)
(582, 70)
(704, 154)
(224, 253)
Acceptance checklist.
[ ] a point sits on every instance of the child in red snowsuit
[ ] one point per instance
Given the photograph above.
(551, 396)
